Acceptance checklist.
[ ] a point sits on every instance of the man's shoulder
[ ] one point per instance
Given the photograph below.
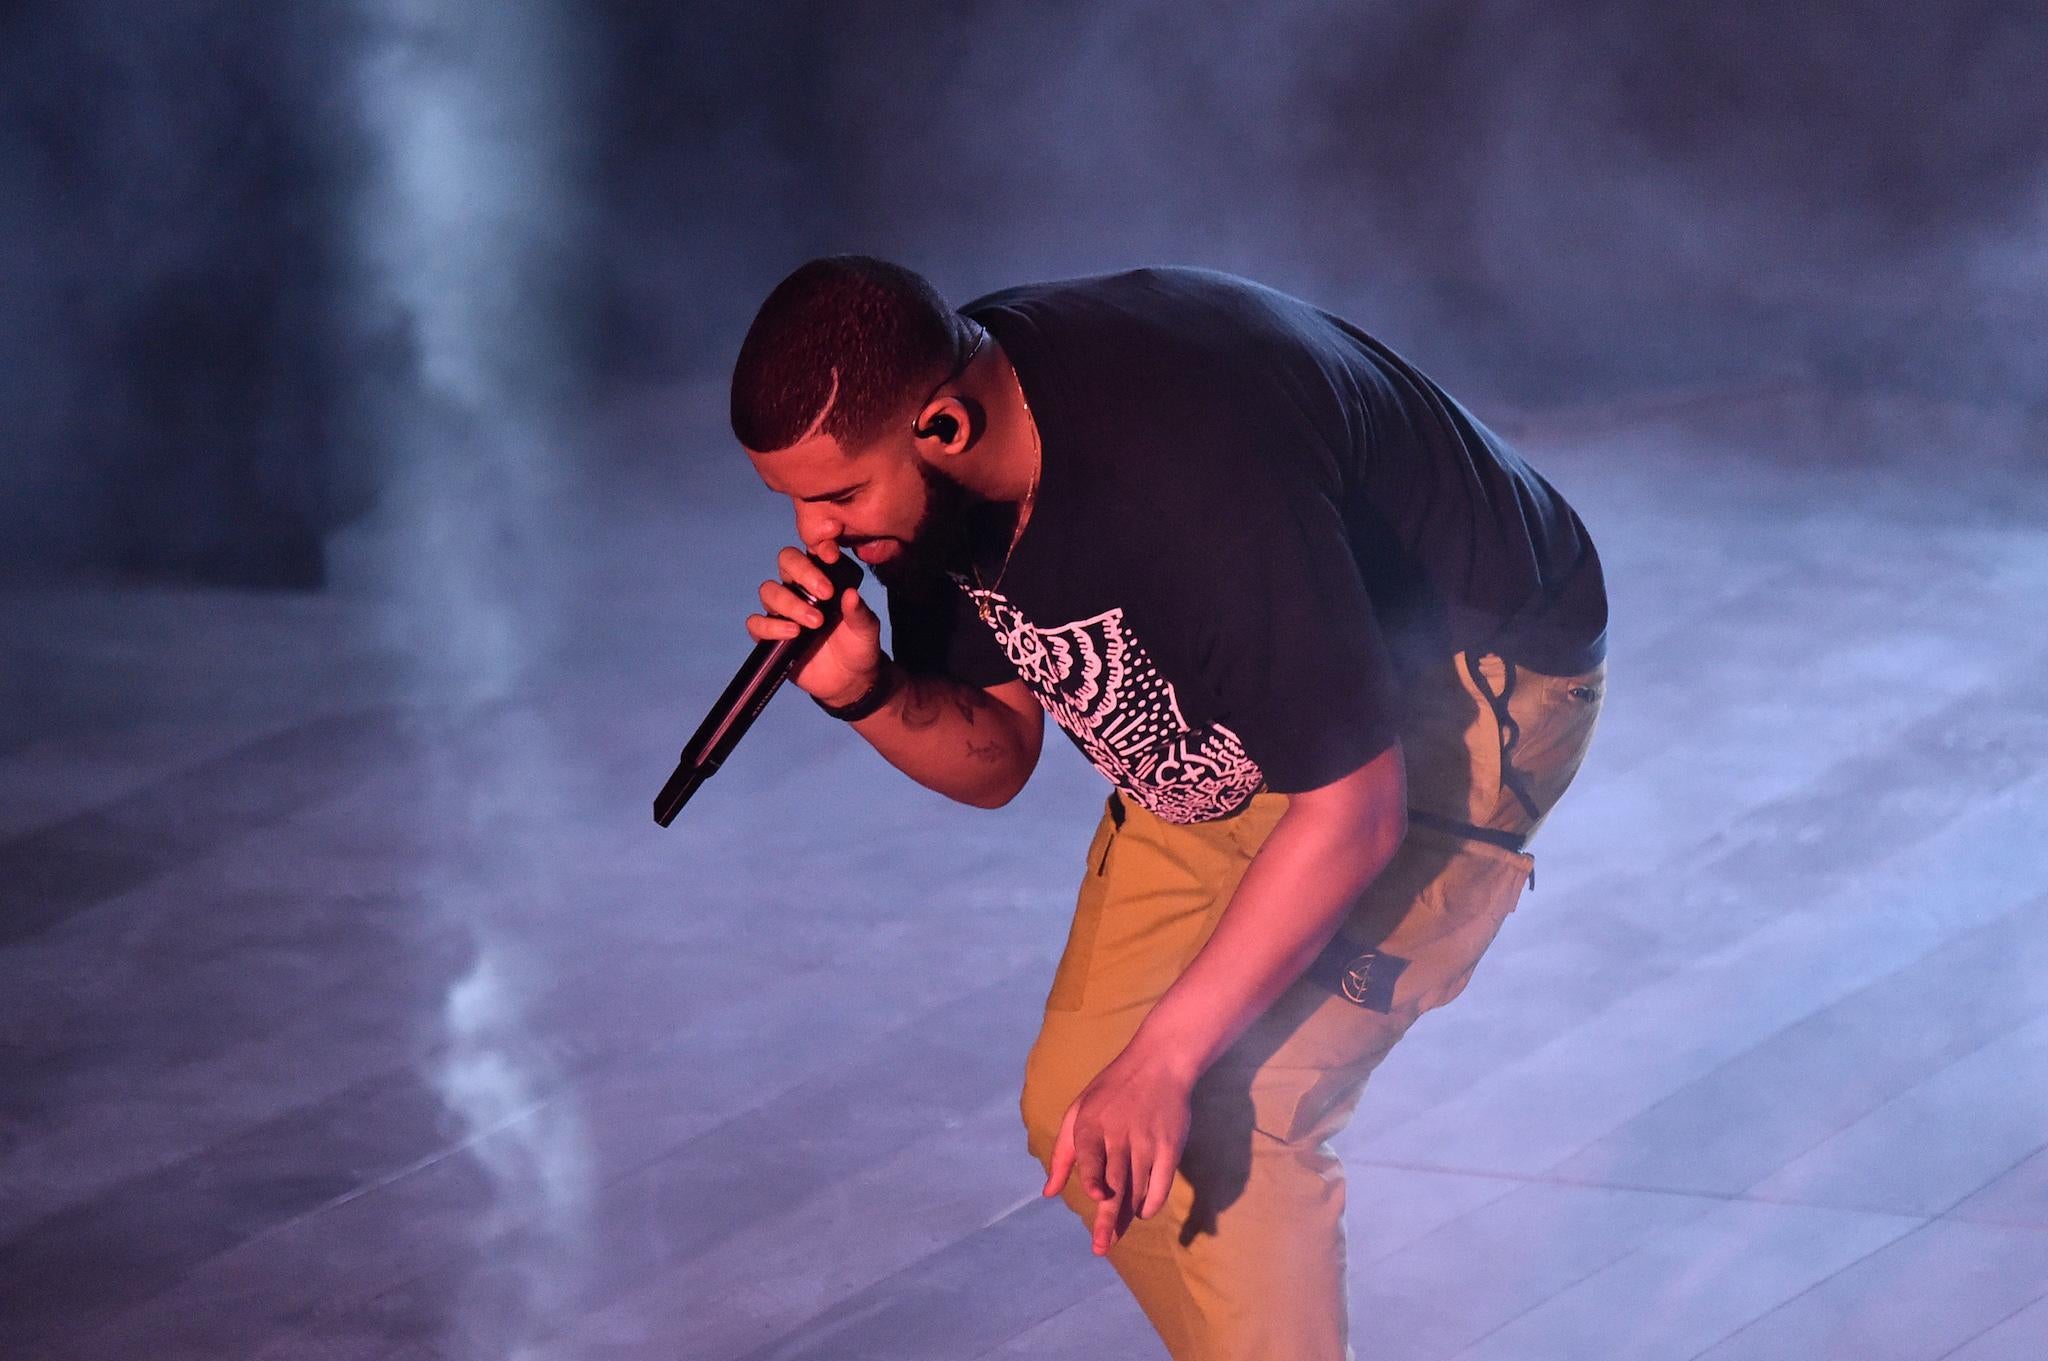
(1133, 287)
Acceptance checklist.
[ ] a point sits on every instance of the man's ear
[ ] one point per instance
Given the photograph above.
(955, 422)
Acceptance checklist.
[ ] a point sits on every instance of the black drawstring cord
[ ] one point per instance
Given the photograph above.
(1510, 731)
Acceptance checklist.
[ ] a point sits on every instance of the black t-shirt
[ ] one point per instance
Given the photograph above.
(1253, 523)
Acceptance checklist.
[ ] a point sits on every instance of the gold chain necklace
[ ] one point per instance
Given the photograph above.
(1023, 512)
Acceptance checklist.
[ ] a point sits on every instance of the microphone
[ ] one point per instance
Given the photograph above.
(760, 676)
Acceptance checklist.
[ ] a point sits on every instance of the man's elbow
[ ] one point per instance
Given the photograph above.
(1027, 740)
(994, 794)
(999, 787)
(992, 800)
(1016, 778)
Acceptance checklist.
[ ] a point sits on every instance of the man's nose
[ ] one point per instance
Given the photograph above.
(814, 525)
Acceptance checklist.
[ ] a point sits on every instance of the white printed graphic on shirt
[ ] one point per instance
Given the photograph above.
(1100, 684)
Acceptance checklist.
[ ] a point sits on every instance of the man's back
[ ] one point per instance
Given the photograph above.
(1215, 400)
(1255, 526)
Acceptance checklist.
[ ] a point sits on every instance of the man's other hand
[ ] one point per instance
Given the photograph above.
(1123, 1137)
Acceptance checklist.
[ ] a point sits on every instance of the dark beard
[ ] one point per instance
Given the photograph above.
(956, 522)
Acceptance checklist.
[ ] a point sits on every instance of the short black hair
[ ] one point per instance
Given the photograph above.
(879, 331)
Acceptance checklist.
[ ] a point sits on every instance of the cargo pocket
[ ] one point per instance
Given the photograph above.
(1416, 934)
(1070, 979)
(1462, 911)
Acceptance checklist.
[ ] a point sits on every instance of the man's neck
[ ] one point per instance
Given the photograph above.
(1010, 443)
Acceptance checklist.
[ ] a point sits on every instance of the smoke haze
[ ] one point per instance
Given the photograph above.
(1539, 201)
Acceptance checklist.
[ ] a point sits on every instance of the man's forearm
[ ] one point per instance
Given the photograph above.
(1293, 896)
(950, 736)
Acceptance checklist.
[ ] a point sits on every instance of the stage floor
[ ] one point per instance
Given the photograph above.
(351, 1006)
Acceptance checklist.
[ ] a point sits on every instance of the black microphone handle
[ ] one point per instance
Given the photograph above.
(748, 693)
(742, 701)
(759, 677)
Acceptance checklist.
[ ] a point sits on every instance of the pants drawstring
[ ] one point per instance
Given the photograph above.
(1510, 731)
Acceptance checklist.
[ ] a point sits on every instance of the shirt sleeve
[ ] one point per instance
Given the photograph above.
(933, 629)
(1285, 640)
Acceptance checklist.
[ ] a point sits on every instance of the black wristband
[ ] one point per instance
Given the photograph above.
(878, 694)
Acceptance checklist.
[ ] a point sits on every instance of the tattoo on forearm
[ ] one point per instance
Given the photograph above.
(921, 708)
(924, 702)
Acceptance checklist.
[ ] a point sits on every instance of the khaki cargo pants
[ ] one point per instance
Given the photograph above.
(1246, 1261)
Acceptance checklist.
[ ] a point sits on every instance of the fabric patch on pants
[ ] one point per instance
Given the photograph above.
(1410, 945)
(1367, 979)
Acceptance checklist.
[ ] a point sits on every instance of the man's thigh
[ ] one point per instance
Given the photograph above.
(1150, 895)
